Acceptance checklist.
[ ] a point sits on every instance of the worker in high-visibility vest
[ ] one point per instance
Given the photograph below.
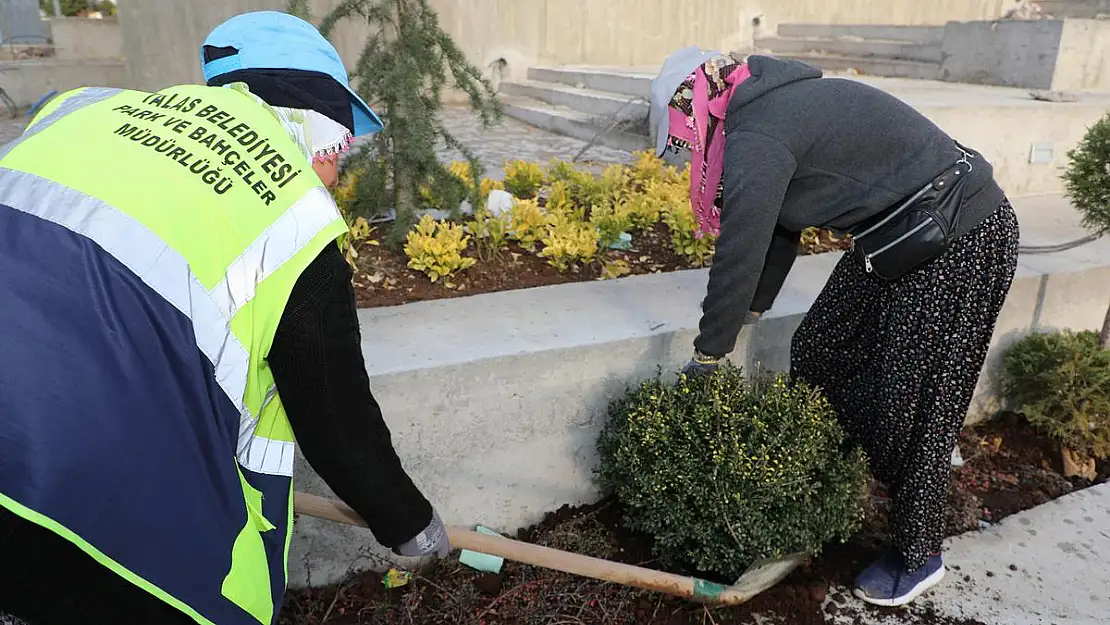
(174, 308)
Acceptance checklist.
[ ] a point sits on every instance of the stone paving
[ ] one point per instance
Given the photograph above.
(513, 140)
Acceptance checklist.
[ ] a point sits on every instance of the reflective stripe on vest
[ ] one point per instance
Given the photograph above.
(224, 250)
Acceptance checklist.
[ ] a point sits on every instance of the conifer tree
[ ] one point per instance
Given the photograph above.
(405, 65)
(1087, 180)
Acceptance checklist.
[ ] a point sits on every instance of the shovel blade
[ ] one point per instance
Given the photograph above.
(766, 573)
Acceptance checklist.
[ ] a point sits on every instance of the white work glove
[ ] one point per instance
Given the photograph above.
(432, 540)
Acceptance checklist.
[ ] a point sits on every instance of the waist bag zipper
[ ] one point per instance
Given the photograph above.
(965, 159)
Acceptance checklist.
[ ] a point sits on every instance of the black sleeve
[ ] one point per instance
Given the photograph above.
(321, 377)
(780, 259)
(758, 171)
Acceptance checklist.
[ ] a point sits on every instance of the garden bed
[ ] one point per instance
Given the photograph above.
(554, 224)
(1008, 469)
(383, 277)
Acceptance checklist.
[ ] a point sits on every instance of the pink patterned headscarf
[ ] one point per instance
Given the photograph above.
(697, 115)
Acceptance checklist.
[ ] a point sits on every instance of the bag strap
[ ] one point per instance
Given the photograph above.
(945, 179)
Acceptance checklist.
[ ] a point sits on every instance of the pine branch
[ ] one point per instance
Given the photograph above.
(403, 70)
(300, 9)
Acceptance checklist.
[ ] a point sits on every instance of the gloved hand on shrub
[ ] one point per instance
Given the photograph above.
(701, 364)
(432, 540)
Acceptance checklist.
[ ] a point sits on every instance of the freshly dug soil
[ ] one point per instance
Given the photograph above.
(384, 278)
(1008, 469)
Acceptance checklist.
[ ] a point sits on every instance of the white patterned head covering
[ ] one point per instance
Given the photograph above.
(319, 136)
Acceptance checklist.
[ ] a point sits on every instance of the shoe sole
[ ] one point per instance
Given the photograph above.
(918, 590)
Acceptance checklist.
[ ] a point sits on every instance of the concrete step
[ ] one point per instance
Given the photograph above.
(587, 101)
(1060, 9)
(610, 81)
(870, 66)
(905, 50)
(913, 34)
(564, 121)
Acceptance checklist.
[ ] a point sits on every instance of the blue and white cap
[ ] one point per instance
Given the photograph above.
(273, 40)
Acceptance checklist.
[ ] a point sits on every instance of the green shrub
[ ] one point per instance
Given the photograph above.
(722, 472)
(1087, 178)
(1061, 383)
(1087, 181)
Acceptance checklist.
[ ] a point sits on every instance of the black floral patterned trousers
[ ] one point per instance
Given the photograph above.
(899, 361)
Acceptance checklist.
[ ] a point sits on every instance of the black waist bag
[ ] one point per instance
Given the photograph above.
(920, 229)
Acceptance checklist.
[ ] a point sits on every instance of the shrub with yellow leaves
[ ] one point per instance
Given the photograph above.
(559, 202)
(611, 220)
(569, 242)
(527, 223)
(358, 233)
(490, 233)
(523, 179)
(648, 167)
(682, 224)
(436, 248)
(615, 268)
(489, 184)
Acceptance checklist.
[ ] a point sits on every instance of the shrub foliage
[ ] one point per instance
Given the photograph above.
(722, 472)
(1061, 383)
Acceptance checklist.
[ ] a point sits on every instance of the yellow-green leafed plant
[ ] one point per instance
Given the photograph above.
(344, 193)
(682, 223)
(611, 220)
(523, 179)
(490, 234)
(436, 248)
(583, 188)
(643, 209)
(648, 167)
(527, 223)
(359, 232)
(569, 242)
(615, 183)
(489, 184)
(615, 268)
(559, 202)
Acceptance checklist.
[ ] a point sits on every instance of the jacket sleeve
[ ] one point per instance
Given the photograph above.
(757, 171)
(317, 361)
(776, 267)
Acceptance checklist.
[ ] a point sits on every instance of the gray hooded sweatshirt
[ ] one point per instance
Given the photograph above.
(801, 151)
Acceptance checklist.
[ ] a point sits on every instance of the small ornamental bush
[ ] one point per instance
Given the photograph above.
(723, 472)
(436, 247)
(523, 179)
(1061, 383)
(569, 243)
(527, 224)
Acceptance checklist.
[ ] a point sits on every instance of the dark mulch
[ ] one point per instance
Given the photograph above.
(1008, 469)
(384, 278)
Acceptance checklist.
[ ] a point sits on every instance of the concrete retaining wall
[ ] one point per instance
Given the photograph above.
(81, 38)
(1065, 55)
(28, 81)
(161, 37)
(495, 401)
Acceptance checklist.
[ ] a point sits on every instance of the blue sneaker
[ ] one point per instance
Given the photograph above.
(887, 583)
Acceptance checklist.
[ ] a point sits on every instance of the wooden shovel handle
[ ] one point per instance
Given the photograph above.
(575, 564)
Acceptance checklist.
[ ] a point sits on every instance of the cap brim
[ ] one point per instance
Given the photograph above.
(366, 120)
